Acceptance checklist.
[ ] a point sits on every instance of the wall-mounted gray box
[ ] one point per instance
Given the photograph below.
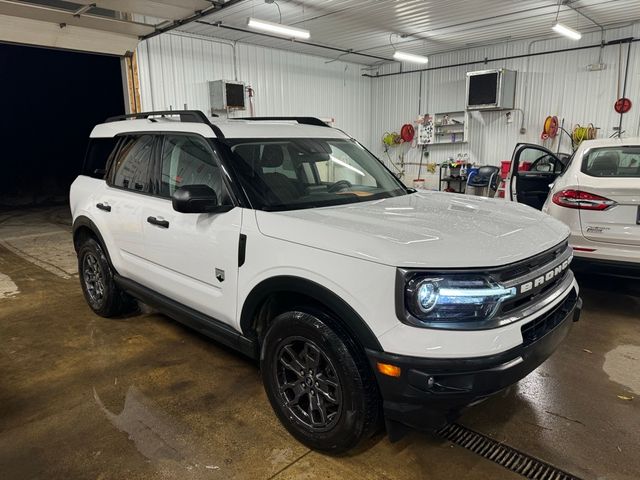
(491, 89)
(226, 95)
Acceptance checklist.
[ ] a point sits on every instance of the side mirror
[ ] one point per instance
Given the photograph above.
(197, 199)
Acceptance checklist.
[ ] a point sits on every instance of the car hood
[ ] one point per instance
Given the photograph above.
(426, 229)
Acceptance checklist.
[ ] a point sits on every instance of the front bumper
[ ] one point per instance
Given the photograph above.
(430, 392)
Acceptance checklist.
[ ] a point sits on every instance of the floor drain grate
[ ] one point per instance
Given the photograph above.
(510, 458)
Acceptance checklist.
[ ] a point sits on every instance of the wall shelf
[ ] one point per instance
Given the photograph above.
(445, 128)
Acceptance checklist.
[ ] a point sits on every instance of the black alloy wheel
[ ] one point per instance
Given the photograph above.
(97, 281)
(319, 382)
(308, 384)
(93, 280)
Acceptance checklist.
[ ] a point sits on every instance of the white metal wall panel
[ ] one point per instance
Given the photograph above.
(175, 68)
(556, 84)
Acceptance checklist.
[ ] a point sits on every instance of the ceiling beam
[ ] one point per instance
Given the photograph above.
(62, 18)
(215, 7)
(344, 51)
(172, 10)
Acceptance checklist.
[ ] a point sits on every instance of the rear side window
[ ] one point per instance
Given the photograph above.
(623, 161)
(132, 168)
(98, 155)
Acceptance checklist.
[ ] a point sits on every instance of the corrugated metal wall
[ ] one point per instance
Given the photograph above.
(556, 84)
(175, 68)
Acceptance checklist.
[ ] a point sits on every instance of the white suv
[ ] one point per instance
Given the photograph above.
(289, 241)
(596, 193)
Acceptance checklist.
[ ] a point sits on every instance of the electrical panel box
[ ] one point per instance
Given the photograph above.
(491, 89)
(226, 95)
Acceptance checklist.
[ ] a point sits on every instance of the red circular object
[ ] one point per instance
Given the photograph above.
(622, 105)
(407, 132)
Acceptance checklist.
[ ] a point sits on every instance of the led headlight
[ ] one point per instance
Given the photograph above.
(427, 295)
(450, 301)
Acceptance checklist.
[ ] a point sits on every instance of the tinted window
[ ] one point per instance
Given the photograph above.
(623, 161)
(189, 160)
(285, 174)
(98, 153)
(133, 166)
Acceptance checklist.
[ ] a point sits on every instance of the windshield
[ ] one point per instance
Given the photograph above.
(623, 161)
(287, 174)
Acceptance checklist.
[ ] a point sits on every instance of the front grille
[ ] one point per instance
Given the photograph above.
(522, 268)
(538, 328)
(524, 300)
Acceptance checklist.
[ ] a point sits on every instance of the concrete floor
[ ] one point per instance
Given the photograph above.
(143, 397)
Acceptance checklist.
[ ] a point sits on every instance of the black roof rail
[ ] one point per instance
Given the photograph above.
(191, 116)
(302, 120)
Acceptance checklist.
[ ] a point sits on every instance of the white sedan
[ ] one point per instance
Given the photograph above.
(596, 192)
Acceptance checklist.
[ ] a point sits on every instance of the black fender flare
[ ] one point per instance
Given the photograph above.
(346, 315)
(85, 222)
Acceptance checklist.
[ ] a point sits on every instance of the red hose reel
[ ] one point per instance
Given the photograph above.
(550, 129)
(407, 132)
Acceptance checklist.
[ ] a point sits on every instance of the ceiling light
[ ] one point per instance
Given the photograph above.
(278, 28)
(567, 32)
(409, 57)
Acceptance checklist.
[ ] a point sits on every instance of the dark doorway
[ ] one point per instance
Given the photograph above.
(51, 99)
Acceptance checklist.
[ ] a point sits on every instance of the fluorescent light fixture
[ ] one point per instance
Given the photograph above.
(567, 32)
(409, 57)
(278, 29)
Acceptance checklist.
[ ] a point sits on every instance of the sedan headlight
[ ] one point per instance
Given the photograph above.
(453, 301)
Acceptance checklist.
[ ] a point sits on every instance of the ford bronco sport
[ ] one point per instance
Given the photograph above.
(287, 240)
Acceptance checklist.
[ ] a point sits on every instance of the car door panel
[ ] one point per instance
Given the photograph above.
(191, 258)
(532, 187)
(122, 201)
(194, 260)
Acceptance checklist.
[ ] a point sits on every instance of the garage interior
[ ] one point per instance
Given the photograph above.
(143, 396)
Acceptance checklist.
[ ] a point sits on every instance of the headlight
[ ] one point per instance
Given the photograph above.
(453, 300)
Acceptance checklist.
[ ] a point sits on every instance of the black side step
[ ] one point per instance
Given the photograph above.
(204, 324)
(504, 455)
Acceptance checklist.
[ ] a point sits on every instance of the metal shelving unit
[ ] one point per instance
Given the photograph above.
(450, 128)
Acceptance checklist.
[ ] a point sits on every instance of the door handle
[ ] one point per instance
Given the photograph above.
(104, 206)
(158, 222)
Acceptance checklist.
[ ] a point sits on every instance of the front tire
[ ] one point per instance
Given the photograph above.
(96, 278)
(318, 383)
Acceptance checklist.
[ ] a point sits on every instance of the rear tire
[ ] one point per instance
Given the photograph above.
(318, 383)
(96, 278)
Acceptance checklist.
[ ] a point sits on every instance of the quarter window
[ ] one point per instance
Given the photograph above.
(189, 160)
(99, 153)
(133, 166)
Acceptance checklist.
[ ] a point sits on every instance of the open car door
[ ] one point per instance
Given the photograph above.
(532, 186)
